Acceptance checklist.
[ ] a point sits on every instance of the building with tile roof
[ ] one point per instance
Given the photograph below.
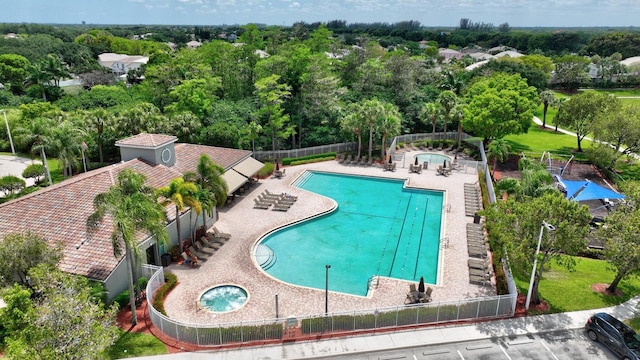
(59, 213)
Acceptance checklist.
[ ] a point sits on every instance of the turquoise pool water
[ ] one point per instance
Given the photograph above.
(223, 298)
(379, 228)
(433, 159)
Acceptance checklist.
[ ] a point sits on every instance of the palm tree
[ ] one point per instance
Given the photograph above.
(431, 112)
(499, 150)
(68, 145)
(371, 110)
(36, 75)
(448, 100)
(100, 120)
(37, 135)
(182, 194)
(388, 124)
(454, 81)
(132, 207)
(354, 122)
(212, 188)
(55, 67)
(548, 98)
(457, 115)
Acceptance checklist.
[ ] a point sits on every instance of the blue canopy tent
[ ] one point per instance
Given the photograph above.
(583, 190)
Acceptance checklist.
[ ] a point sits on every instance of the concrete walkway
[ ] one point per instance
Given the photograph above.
(418, 337)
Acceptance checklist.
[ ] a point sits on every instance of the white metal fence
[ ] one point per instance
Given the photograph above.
(344, 322)
(472, 309)
(293, 153)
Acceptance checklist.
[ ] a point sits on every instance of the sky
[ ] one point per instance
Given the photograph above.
(518, 13)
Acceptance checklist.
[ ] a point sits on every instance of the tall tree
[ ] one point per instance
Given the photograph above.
(271, 95)
(99, 121)
(132, 207)
(548, 98)
(65, 321)
(498, 150)
(354, 122)
(571, 72)
(23, 251)
(68, 140)
(517, 227)
(213, 188)
(498, 106)
(37, 136)
(579, 114)
(431, 112)
(388, 125)
(181, 194)
(622, 243)
(619, 127)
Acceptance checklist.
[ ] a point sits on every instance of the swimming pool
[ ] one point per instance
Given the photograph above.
(379, 228)
(433, 159)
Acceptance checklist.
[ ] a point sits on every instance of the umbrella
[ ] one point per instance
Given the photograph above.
(390, 161)
(444, 165)
(416, 162)
(421, 285)
(277, 166)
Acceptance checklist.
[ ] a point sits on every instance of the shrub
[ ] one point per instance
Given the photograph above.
(266, 170)
(288, 161)
(175, 252)
(309, 161)
(170, 281)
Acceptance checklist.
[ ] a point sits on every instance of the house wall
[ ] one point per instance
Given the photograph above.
(163, 155)
(117, 282)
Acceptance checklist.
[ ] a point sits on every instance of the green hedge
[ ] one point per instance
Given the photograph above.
(123, 298)
(289, 161)
(170, 281)
(266, 170)
(309, 161)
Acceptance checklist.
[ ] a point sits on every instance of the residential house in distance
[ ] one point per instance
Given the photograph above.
(59, 213)
(448, 54)
(193, 44)
(120, 64)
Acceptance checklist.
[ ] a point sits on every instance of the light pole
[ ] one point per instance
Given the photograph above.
(549, 227)
(13, 150)
(326, 289)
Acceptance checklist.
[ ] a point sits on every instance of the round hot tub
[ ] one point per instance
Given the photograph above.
(224, 298)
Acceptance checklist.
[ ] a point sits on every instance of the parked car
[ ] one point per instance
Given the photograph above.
(616, 335)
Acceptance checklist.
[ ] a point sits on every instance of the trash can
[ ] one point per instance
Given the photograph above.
(166, 259)
(476, 218)
(425, 165)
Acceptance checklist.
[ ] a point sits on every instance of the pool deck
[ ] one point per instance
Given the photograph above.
(233, 263)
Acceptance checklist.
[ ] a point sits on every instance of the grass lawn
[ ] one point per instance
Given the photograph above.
(537, 140)
(135, 345)
(566, 290)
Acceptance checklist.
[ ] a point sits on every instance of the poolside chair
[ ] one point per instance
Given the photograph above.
(220, 234)
(427, 295)
(370, 162)
(479, 272)
(339, 158)
(479, 280)
(192, 261)
(430, 147)
(203, 249)
(354, 161)
(197, 252)
(393, 167)
(347, 161)
(279, 207)
(260, 204)
(477, 252)
(440, 146)
(213, 245)
(285, 202)
(479, 264)
(363, 161)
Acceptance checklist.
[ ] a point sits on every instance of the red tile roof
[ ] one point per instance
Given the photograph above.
(60, 212)
(147, 140)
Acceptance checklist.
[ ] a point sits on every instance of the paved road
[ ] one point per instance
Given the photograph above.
(558, 345)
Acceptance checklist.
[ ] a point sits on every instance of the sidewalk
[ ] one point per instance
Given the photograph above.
(418, 337)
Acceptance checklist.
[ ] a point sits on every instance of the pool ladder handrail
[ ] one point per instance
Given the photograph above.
(373, 282)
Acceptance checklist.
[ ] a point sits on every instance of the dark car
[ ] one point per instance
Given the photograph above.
(615, 334)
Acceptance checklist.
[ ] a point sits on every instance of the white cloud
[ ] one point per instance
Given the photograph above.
(294, 5)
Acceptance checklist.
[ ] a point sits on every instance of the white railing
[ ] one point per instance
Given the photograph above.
(472, 309)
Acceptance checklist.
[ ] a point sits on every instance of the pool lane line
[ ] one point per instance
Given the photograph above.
(404, 219)
(424, 219)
